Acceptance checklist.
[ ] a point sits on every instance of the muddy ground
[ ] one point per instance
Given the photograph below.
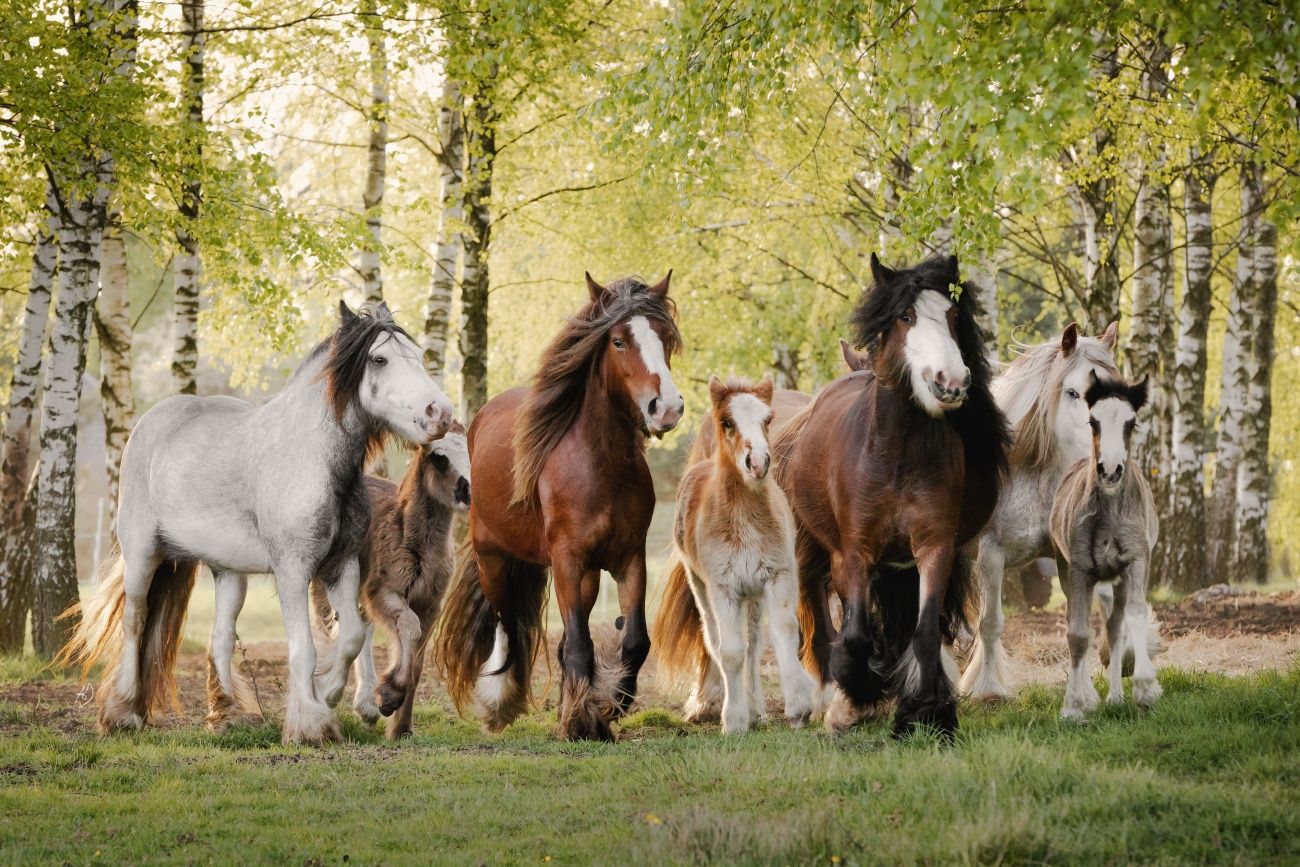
(1225, 630)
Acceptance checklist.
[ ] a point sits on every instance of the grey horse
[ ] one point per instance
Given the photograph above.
(247, 489)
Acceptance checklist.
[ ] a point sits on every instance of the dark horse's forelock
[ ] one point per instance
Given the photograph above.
(349, 353)
(555, 398)
(982, 425)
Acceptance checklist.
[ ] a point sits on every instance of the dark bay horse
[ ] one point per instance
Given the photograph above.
(890, 471)
(560, 482)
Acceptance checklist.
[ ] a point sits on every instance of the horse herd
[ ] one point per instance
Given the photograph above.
(859, 523)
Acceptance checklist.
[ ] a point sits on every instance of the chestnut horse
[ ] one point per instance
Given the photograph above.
(890, 472)
(561, 482)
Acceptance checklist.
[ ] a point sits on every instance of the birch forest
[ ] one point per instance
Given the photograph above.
(188, 188)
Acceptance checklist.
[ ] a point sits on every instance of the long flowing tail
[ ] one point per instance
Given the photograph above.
(98, 636)
(486, 660)
(677, 636)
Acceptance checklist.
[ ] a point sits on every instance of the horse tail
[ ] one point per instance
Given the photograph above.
(98, 636)
(959, 601)
(487, 659)
(677, 635)
(815, 627)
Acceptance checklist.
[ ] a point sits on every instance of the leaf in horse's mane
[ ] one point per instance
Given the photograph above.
(954, 289)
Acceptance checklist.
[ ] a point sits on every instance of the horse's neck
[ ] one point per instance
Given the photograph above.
(899, 422)
(300, 417)
(604, 427)
(426, 522)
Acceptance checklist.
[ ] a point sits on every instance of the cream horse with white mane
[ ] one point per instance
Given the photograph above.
(1041, 393)
(245, 489)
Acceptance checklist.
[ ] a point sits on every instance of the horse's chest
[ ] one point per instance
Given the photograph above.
(1105, 547)
(743, 564)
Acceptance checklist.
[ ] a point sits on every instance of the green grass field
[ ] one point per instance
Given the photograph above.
(1209, 776)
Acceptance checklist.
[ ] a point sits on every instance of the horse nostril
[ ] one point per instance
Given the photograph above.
(1101, 469)
(767, 463)
(462, 491)
(654, 406)
(748, 463)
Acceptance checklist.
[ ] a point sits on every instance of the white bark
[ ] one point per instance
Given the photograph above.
(15, 579)
(377, 153)
(451, 160)
(1185, 527)
(1095, 199)
(1149, 324)
(188, 268)
(1250, 560)
(481, 146)
(113, 327)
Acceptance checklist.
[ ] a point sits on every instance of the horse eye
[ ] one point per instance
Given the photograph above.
(727, 424)
(906, 319)
(1072, 393)
(379, 360)
(618, 343)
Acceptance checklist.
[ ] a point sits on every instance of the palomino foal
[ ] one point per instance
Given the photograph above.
(735, 533)
(1104, 526)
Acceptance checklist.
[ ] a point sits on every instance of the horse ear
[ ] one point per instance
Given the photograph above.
(1137, 394)
(1069, 339)
(346, 316)
(717, 390)
(1091, 393)
(952, 269)
(661, 288)
(593, 287)
(456, 427)
(1110, 335)
(382, 312)
(854, 359)
(879, 272)
(766, 386)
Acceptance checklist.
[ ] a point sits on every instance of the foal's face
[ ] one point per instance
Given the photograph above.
(741, 418)
(1112, 415)
(446, 470)
(939, 376)
(635, 356)
(398, 390)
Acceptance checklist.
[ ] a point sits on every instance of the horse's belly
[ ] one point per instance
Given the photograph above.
(223, 543)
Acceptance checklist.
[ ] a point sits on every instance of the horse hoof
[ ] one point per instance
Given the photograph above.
(1146, 692)
(938, 717)
(312, 733)
(389, 697)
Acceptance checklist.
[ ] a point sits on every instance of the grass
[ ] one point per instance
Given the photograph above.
(1208, 776)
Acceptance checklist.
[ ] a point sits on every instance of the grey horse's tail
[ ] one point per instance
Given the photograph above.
(98, 636)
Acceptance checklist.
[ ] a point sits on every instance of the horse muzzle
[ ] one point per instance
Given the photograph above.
(462, 495)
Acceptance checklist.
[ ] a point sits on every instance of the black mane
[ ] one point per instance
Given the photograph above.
(1102, 388)
(349, 353)
(980, 423)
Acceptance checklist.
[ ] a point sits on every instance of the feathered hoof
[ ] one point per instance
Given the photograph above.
(220, 720)
(698, 711)
(842, 714)
(367, 711)
(939, 716)
(389, 696)
(311, 727)
(1146, 692)
(396, 733)
(586, 711)
(117, 716)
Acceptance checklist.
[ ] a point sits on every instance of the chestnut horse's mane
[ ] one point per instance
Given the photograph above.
(555, 398)
(979, 422)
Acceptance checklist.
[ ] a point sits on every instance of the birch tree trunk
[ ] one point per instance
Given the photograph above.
(986, 278)
(1234, 384)
(376, 155)
(451, 137)
(113, 326)
(81, 229)
(1184, 528)
(189, 266)
(15, 512)
(1095, 199)
(1250, 561)
(481, 146)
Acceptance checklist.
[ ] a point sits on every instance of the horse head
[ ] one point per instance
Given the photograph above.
(741, 415)
(445, 469)
(1113, 406)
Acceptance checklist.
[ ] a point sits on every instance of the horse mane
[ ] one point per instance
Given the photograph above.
(980, 423)
(1029, 391)
(555, 397)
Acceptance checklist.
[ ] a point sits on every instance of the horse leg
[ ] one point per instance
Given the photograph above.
(1138, 625)
(634, 647)
(350, 631)
(307, 719)
(1119, 642)
(705, 701)
(986, 672)
(753, 609)
(797, 685)
(861, 688)
(404, 626)
(926, 696)
(363, 700)
(123, 706)
(729, 653)
(501, 690)
(1080, 694)
(229, 701)
(399, 724)
(585, 711)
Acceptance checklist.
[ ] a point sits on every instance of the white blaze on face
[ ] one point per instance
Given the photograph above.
(398, 390)
(749, 414)
(1071, 424)
(662, 409)
(939, 375)
(1112, 416)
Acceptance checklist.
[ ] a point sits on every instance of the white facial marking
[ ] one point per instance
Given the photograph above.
(400, 392)
(1071, 425)
(668, 403)
(749, 413)
(1112, 414)
(934, 356)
